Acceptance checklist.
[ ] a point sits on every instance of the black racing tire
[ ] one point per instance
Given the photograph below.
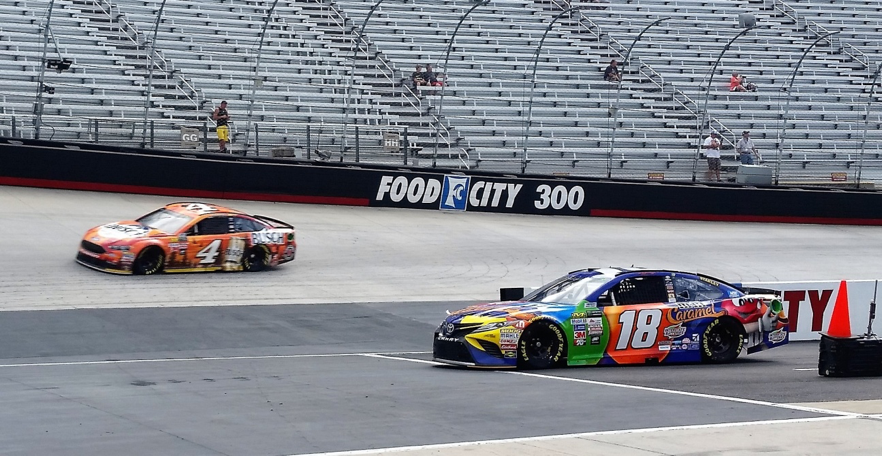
(541, 346)
(150, 261)
(722, 341)
(255, 259)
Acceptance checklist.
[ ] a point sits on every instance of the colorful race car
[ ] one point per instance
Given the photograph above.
(184, 237)
(615, 316)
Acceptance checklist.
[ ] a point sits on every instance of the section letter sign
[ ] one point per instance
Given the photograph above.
(190, 138)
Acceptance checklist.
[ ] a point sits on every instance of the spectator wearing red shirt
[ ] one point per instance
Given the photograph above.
(735, 83)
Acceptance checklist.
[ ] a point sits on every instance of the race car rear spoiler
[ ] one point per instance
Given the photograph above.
(274, 222)
(756, 290)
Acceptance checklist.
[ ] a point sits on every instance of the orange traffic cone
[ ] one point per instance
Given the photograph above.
(840, 323)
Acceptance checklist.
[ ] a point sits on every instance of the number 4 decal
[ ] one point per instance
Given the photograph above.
(209, 253)
(646, 331)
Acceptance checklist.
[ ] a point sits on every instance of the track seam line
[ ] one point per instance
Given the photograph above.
(659, 390)
(206, 358)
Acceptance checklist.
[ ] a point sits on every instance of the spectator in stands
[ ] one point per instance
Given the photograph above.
(748, 86)
(746, 148)
(429, 75)
(611, 73)
(417, 78)
(712, 153)
(735, 84)
(221, 116)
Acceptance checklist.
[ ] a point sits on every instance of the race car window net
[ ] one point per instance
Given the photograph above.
(641, 290)
(211, 226)
(165, 220)
(567, 289)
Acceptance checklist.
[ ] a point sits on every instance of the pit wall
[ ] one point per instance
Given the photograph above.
(809, 305)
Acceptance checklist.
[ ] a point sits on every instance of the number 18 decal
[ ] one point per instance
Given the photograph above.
(641, 335)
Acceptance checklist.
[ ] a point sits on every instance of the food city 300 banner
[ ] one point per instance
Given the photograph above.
(808, 305)
(197, 175)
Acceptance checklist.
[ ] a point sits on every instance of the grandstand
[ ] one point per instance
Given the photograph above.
(318, 86)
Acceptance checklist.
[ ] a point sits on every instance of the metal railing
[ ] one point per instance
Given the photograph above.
(130, 31)
(817, 30)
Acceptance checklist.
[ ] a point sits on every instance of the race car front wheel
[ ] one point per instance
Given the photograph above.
(254, 259)
(149, 261)
(541, 346)
(722, 341)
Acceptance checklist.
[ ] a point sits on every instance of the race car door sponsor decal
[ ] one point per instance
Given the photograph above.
(208, 255)
(119, 231)
(233, 254)
(588, 339)
(268, 237)
(635, 332)
(206, 251)
(647, 331)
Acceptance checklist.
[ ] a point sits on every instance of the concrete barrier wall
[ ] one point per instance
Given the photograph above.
(90, 167)
(809, 305)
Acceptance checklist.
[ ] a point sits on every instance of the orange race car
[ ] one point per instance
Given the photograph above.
(185, 237)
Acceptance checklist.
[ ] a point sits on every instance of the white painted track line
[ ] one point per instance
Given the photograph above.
(654, 390)
(587, 435)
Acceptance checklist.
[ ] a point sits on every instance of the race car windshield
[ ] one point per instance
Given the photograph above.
(568, 289)
(165, 220)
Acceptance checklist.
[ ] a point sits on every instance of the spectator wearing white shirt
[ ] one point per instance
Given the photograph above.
(746, 148)
(712, 153)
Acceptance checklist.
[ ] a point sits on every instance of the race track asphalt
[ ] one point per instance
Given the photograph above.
(274, 380)
(331, 353)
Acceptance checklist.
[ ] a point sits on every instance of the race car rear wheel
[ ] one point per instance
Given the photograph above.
(149, 261)
(542, 345)
(255, 259)
(722, 341)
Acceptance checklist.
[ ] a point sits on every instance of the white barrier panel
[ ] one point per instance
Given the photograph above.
(809, 305)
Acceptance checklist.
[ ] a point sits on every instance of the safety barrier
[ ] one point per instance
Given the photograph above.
(198, 175)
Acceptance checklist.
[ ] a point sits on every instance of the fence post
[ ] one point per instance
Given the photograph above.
(406, 146)
(357, 145)
(256, 141)
(205, 136)
(96, 129)
(308, 143)
(152, 132)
